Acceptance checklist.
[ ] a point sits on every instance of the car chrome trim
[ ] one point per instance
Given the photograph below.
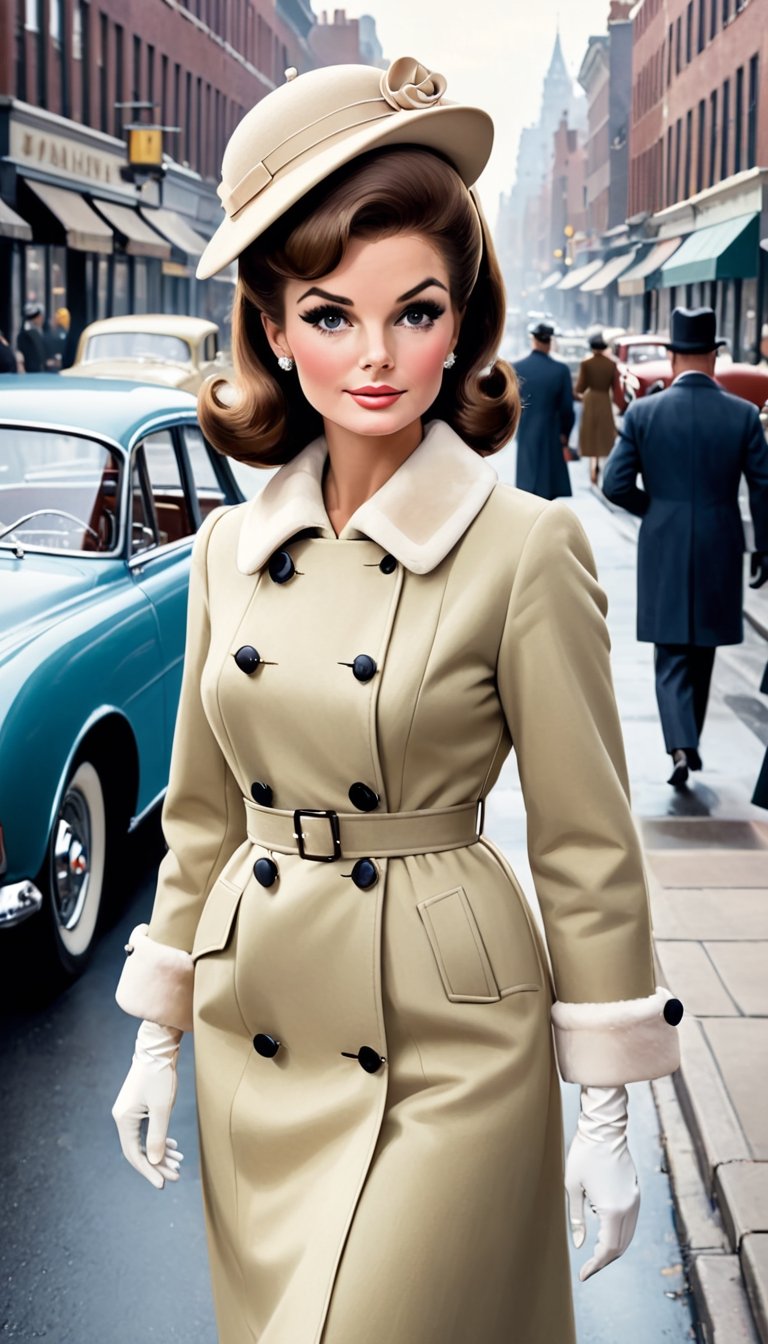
(143, 558)
(145, 811)
(18, 900)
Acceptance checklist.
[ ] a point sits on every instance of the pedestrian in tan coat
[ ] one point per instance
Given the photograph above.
(594, 387)
(378, 1101)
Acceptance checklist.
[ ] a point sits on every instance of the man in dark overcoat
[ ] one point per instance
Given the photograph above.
(31, 341)
(547, 418)
(691, 445)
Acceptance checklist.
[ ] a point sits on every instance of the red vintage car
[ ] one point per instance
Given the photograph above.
(643, 365)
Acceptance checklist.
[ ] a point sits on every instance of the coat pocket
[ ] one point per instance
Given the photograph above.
(462, 960)
(215, 925)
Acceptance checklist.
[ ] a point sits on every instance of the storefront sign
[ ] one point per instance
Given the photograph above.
(67, 158)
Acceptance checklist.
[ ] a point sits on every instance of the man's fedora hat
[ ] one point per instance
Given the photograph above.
(692, 331)
(314, 123)
(543, 331)
(597, 341)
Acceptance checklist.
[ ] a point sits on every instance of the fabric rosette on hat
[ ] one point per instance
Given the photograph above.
(315, 123)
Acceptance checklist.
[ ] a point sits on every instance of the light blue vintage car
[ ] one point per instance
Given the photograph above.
(102, 487)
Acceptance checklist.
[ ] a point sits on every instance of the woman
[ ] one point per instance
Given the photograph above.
(378, 1103)
(594, 387)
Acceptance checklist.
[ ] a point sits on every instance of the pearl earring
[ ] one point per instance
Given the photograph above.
(285, 362)
(450, 361)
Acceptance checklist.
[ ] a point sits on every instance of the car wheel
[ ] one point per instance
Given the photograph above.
(75, 868)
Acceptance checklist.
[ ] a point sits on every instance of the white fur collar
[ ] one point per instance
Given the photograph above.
(418, 515)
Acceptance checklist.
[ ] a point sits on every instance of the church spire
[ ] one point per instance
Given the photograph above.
(557, 66)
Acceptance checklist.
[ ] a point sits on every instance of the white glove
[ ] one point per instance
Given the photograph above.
(149, 1092)
(600, 1166)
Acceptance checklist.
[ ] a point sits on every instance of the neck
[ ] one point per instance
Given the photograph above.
(359, 464)
(693, 364)
(541, 346)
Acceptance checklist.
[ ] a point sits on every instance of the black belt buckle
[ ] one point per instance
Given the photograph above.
(333, 821)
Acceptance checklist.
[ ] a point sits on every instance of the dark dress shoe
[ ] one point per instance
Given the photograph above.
(679, 777)
(693, 758)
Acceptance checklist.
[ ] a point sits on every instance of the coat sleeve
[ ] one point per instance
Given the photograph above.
(582, 382)
(556, 689)
(203, 824)
(622, 468)
(567, 413)
(756, 473)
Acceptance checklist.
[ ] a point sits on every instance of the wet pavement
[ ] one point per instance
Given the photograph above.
(90, 1253)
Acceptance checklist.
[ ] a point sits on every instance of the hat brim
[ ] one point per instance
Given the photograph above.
(695, 347)
(464, 135)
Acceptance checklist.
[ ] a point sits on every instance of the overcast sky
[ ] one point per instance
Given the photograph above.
(494, 53)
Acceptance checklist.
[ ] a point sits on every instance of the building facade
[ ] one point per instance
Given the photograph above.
(700, 137)
(74, 74)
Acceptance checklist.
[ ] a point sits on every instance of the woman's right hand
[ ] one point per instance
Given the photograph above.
(149, 1092)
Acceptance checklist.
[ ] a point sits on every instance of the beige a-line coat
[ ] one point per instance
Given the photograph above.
(422, 1202)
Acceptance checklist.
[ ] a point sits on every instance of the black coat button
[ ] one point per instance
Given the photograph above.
(265, 872)
(261, 793)
(281, 567)
(364, 667)
(673, 1012)
(363, 798)
(369, 1059)
(388, 564)
(247, 658)
(365, 874)
(265, 1045)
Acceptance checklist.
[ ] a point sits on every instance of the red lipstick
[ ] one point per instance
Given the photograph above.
(375, 398)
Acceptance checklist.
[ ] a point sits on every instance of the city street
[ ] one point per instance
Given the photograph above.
(90, 1252)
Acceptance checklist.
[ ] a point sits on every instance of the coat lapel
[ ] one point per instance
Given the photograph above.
(418, 515)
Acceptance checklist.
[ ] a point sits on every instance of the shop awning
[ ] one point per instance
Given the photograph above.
(138, 239)
(642, 276)
(552, 279)
(12, 225)
(610, 271)
(85, 230)
(726, 251)
(176, 229)
(573, 279)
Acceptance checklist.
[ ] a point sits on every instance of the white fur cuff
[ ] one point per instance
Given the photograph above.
(608, 1044)
(156, 982)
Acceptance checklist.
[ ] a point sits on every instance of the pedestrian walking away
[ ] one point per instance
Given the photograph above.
(378, 1100)
(691, 444)
(8, 362)
(31, 339)
(597, 432)
(546, 420)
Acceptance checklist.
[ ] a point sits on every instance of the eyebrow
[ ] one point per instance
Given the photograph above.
(339, 298)
(418, 288)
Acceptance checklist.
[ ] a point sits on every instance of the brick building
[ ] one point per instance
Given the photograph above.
(72, 231)
(699, 137)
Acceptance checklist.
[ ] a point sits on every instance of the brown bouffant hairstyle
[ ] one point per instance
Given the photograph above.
(380, 194)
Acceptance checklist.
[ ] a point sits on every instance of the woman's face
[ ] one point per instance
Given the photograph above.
(370, 338)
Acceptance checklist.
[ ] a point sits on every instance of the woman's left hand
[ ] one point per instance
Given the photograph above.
(600, 1167)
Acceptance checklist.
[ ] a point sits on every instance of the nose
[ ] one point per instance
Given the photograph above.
(375, 353)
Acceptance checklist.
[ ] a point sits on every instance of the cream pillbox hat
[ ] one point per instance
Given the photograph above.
(311, 125)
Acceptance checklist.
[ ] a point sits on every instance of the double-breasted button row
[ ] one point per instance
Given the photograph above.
(369, 1059)
(365, 874)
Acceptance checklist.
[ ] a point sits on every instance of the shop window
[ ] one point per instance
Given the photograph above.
(120, 287)
(102, 287)
(140, 291)
(57, 280)
(34, 276)
(748, 318)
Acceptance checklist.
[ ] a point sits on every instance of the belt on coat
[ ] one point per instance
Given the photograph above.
(323, 836)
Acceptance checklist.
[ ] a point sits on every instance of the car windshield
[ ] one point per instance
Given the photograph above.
(149, 345)
(58, 491)
(643, 354)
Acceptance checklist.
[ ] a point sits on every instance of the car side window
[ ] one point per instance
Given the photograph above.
(209, 492)
(210, 345)
(169, 498)
(143, 526)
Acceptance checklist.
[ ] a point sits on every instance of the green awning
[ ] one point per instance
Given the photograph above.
(726, 251)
